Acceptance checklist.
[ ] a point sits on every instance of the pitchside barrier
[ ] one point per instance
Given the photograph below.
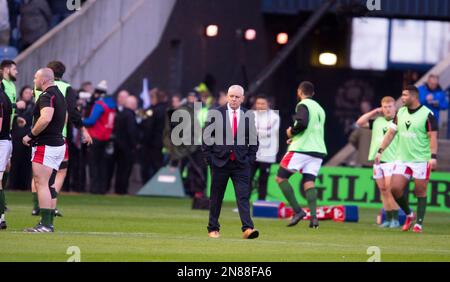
(339, 186)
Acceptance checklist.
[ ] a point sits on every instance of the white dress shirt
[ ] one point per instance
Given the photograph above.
(230, 115)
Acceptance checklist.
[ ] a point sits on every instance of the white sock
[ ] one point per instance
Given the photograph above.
(2, 218)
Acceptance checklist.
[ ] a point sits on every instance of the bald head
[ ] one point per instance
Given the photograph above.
(44, 78)
(235, 96)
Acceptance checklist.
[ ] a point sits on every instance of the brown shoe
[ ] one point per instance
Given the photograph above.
(214, 234)
(250, 234)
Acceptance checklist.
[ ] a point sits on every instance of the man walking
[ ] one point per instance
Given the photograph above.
(231, 151)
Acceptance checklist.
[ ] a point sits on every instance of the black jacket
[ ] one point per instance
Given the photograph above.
(125, 130)
(152, 127)
(217, 152)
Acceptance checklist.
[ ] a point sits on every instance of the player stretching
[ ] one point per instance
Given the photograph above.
(416, 154)
(305, 153)
(382, 173)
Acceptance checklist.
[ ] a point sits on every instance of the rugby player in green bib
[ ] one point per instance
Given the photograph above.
(416, 155)
(379, 121)
(305, 153)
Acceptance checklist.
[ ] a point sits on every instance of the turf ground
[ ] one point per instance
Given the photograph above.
(157, 229)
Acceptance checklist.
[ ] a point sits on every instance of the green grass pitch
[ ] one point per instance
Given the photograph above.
(114, 228)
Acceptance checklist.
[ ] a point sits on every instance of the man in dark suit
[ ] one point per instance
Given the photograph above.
(230, 144)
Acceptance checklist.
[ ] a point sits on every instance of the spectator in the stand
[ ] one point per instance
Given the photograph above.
(59, 10)
(152, 134)
(361, 138)
(433, 97)
(20, 173)
(100, 126)
(125, 141)
(34, 21)
(4, 23)
(14, 8)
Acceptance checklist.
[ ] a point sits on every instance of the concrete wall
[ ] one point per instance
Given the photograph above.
(106, 39)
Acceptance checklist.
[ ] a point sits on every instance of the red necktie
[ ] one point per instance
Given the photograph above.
(232, 156)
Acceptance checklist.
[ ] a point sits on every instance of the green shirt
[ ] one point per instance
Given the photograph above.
(414, 143)
(380, 127)
(11, 92)
(312, 139)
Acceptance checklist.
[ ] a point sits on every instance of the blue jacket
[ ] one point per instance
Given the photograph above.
(438, 95)
(97, 111)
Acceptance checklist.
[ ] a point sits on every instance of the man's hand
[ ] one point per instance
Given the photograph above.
(289, 141)
(21, 122)
(27, 140)
(430, 98)
(86, 137)
(21, 105)
(433, 164)
(378, 159)
(289, 132)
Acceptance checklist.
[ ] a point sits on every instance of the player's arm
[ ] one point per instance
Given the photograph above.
(432, 129)
(46, 115)
(387, 140)
(364, 120)
(43, 121)
(301, 119)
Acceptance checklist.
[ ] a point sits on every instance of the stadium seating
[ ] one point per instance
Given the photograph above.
(8, 53)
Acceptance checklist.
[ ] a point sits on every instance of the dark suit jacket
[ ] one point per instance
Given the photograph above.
(217, 149)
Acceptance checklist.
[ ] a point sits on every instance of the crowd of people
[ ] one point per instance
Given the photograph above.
(54, 134)
(22, 22)
(111, 134)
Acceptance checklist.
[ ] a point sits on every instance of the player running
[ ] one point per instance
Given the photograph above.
(417, 148)
(379, 121)
(50, 114)
(305, 153)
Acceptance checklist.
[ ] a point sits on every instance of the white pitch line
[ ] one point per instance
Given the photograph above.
(197, 238)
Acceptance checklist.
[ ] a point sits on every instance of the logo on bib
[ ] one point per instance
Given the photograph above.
(408, 124)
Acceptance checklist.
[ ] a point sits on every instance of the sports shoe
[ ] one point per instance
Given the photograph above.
(58, 213)
(385, 224)
(36, 212)
(394, 224)
(296, 218)
(409, 221)
(40, 229)
(417, 228)
(314, 223)
(3, 225)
